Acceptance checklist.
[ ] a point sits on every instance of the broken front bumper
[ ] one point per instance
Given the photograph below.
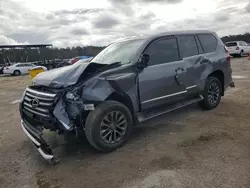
(43, 148)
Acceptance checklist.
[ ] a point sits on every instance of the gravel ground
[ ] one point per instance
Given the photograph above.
(186, 148)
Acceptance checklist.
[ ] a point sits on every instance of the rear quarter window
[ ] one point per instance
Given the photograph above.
(208, 42)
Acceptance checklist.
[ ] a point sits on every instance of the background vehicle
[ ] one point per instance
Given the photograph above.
(1, 69)
(18, 69)
(75, 59)
(127, 83)
(238, 48)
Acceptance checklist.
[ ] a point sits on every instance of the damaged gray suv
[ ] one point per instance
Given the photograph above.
(125, 84)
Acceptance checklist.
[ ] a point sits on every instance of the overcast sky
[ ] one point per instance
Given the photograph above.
(98, 22)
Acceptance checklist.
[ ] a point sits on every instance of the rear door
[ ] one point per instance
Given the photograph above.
(243, 46)
(28, 67)
(213, 52)
(190, 54)
(24, 68)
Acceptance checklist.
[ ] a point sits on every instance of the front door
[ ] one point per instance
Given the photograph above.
(162, 82)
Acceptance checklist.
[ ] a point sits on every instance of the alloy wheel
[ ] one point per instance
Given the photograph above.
(213, 93)
(113, 127)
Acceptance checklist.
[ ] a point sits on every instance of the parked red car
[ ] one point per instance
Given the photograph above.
(75, 59)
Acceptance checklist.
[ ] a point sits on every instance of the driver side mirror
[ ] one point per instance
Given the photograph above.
(143, 62)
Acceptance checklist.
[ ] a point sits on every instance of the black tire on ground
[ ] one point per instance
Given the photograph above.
(98, 117)
(241, 53)
(211, 94)
(16, 72)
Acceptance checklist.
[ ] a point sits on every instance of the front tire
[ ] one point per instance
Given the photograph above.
(17, 73)
(109, 126)
(211, 94)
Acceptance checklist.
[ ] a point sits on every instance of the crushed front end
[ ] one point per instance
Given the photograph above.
(42, 108)
(60, 100)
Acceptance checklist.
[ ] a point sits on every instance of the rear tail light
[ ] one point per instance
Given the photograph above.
(237, 48)
(228, 57)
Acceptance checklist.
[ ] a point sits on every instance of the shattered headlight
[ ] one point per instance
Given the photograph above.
(74, 96)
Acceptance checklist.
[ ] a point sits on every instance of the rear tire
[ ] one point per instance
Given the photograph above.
(241, 53)
(106, 123)
(17, 73)
(211, 94)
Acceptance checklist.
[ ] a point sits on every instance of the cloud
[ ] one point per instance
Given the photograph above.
(9, 41)
(231, 10)
(146, 1)
(248, 8)
(74, 25)
(147, 15)
(105, 21)
(79, 31)
(79, 11)
(33, 38)
(162, 1)
(50, 17)
(222, 17)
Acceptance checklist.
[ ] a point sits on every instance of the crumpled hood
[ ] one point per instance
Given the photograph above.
(61, 77)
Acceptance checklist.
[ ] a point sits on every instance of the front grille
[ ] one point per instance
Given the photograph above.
(44, 102)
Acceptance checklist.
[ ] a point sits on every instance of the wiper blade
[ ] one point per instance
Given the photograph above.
(109, 66)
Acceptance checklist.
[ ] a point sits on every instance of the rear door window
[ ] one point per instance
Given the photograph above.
(231, 44)
(208, 42)
(199, 45)
(187, 46)
(163, 51)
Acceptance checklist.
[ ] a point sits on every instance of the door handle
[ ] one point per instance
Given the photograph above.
(205, 60)
(179, 70)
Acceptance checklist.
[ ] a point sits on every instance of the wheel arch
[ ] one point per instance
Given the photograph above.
(124, 99)
(17, 70)
(220, 75)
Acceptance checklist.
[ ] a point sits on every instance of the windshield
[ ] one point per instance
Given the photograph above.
(122, 52)
(229, 44)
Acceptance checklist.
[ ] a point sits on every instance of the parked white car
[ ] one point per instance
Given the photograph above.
(18, 69)
(238, 48)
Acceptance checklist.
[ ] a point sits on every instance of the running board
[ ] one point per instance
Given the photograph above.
(148, 115)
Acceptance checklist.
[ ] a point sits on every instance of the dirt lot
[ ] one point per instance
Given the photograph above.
(186, 148)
